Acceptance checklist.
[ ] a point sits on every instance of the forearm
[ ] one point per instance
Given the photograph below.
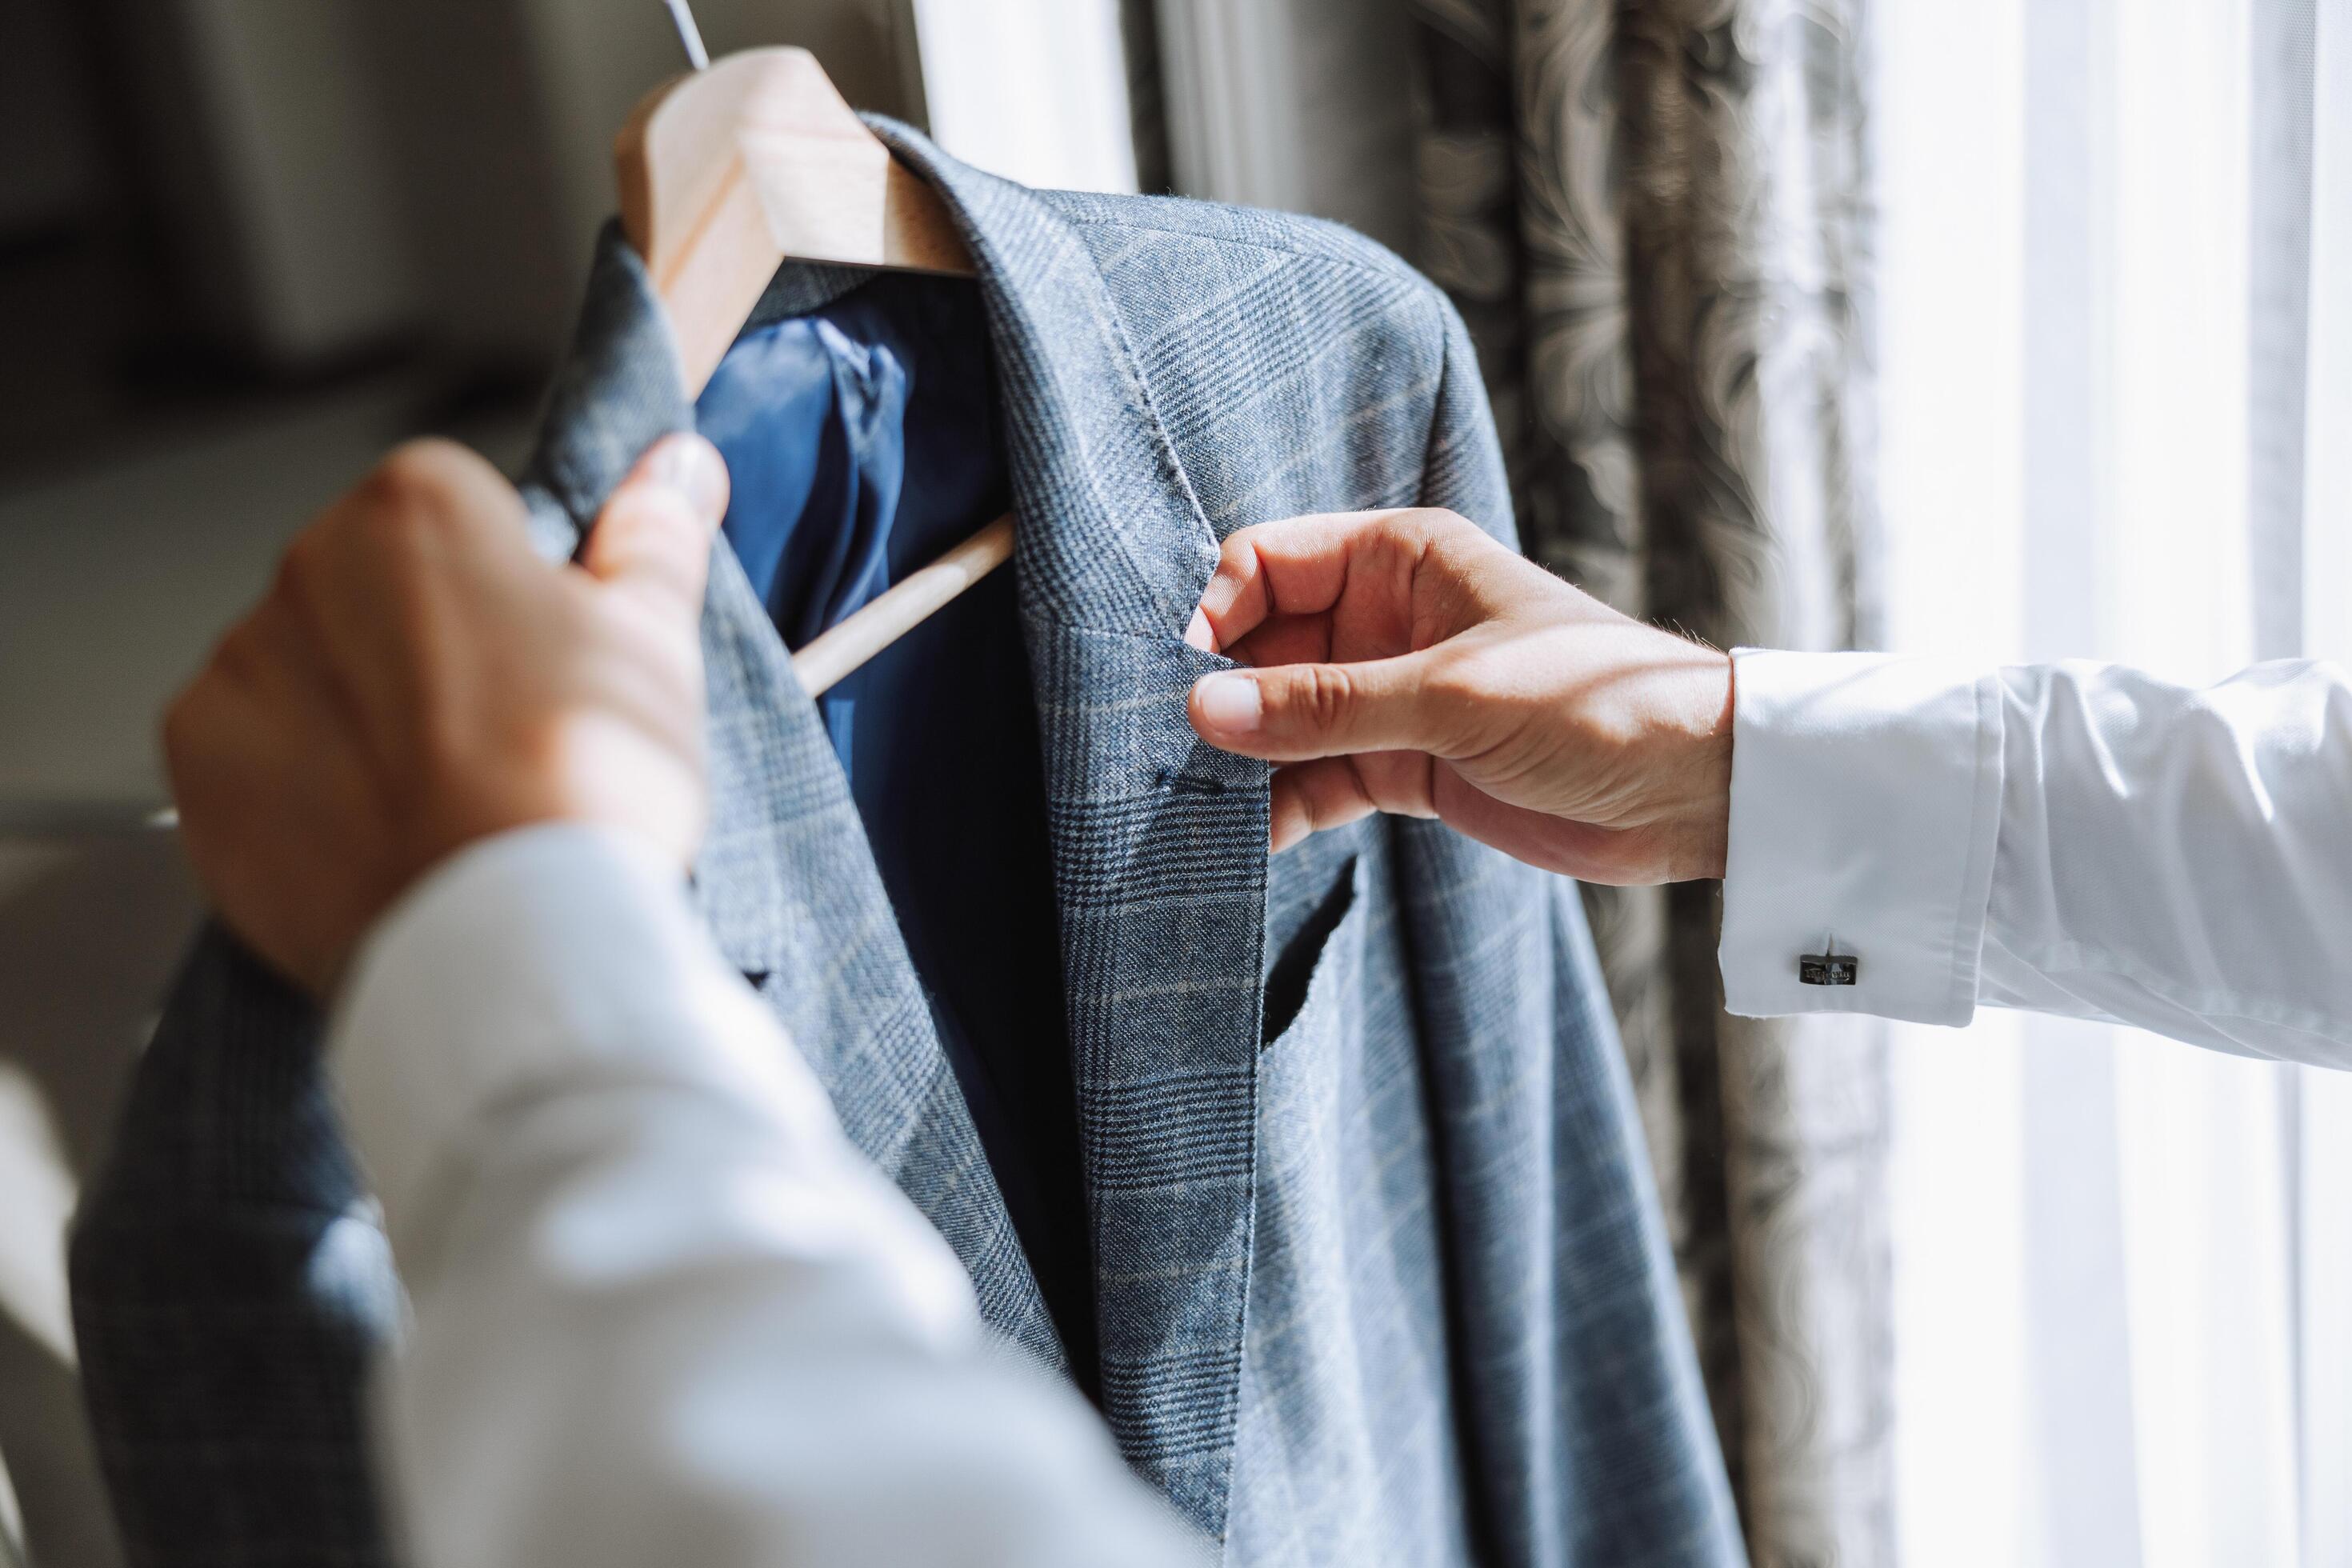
(2180, 858)
(2075, 838)
(661, 1307)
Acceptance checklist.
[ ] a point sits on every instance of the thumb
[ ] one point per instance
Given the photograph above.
(654, 535)
(1289, 713)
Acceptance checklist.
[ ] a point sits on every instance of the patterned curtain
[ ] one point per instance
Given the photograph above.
(1654, 216)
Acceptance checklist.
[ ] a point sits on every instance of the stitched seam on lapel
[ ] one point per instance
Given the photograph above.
(1396, 271)
(945, 175)
(1171, 470)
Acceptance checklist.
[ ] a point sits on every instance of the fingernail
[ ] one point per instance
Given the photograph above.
(693, 467)
(1229, 702)
(1199, 635)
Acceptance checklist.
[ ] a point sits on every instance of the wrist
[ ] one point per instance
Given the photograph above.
(1697, 775)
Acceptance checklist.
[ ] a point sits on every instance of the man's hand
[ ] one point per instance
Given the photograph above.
(417, 678)
(1406, 662)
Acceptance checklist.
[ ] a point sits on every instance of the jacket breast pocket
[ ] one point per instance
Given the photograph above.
(1308, 973)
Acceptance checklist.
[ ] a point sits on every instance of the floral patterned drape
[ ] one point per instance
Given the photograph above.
(1655, 216)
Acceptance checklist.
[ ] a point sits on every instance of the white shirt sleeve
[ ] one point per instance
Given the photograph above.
(662, 1311)
(2075, 839)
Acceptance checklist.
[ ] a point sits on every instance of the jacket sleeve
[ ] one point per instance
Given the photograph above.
(230, 1279)
(1607, 1453)
(230, 1286)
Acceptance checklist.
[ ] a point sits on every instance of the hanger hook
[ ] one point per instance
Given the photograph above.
(688, 34)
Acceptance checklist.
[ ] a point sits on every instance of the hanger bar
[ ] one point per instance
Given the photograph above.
(829, 658)
(689, 36)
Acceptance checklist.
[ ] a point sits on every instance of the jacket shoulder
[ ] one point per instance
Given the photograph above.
(1111, 221)
(1295, 364)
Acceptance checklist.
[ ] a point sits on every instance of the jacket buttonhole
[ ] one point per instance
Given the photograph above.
(1191, 784)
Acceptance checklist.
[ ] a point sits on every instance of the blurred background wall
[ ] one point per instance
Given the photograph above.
(265, 190)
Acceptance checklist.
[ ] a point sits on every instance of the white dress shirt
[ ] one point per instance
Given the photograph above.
(662, 1311)
(2074, 838)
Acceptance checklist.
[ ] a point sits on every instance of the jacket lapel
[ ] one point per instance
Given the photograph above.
(785, 879)
(1160, 842)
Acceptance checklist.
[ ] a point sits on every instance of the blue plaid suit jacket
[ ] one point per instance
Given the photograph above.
(1380, 1272)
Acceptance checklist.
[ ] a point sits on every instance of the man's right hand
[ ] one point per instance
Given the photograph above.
(1405, 661)
(416, 679)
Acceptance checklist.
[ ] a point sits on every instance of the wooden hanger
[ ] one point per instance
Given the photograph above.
(726, 174)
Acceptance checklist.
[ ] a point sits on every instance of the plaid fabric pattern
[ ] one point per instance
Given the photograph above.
(1380, 1275)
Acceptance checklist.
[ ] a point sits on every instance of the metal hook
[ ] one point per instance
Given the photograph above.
(688, 34)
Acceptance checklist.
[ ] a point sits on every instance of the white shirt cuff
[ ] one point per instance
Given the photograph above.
(1866, 803)
(514, 966)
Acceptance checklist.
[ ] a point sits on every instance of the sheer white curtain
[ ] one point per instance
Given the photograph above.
(1034, 91)
(2116, 336)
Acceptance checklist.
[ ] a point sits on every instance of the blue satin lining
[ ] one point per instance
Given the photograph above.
(864, 440)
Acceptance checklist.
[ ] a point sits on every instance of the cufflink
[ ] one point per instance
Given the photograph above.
(1829, 966)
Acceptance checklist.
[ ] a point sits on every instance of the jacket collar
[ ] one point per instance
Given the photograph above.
(1130, 557)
